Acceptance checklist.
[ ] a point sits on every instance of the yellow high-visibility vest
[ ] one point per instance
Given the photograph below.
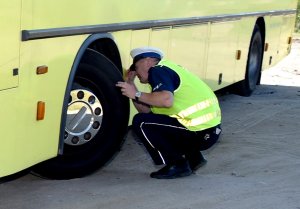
(195, 105)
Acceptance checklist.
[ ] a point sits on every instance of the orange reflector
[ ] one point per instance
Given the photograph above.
(41, 107)
(238, 54)
(266, 47)
(42, 70)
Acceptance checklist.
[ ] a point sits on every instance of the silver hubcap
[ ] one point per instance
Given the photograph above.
(84, 117)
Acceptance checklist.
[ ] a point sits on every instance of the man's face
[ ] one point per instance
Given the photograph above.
(141, 68)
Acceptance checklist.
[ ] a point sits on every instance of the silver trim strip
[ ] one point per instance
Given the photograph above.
(104, 28)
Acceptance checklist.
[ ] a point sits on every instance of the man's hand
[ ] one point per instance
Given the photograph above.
(130, 76)
(127, 89)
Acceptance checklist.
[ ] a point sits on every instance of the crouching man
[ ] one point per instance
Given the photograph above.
(178, 119)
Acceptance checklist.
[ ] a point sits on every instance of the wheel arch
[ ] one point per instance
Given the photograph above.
(101, 43)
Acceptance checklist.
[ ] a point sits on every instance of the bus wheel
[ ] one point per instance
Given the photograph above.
(96, 121)
(254, 64)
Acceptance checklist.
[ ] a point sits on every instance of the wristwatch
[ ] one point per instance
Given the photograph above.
(138, 94)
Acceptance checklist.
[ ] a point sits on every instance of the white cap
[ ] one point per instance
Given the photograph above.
(143, 52)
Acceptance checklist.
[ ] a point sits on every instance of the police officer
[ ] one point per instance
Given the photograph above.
(178, 119)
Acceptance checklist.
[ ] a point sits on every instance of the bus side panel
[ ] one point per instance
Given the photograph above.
(287, 30)
(10, 43)
(91, 12)
(188, 45)
(223, 44)
(161, 37)
(30, 141)
(279, 30)
(273, 29)
(10, 12)
(9, 121)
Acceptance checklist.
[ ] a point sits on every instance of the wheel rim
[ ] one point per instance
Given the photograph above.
(84, 117)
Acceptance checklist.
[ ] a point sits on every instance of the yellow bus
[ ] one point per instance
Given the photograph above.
(61, 114)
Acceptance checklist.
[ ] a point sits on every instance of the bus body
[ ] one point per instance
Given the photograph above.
(60, 60)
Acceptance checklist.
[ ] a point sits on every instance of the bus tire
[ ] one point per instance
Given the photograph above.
(254, 65)
(90, 142)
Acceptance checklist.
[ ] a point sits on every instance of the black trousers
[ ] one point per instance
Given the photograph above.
(169, 142)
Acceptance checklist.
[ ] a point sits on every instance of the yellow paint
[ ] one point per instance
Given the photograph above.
(10, 12)
(207, 49)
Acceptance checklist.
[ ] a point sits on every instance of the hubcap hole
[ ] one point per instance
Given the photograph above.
(96, 125)
(87, 136)
(80, 95)
(75, 140)
(97, 111)
(92, 100)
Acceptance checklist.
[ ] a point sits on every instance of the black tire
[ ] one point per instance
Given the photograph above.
(254, 65)
(96, 77)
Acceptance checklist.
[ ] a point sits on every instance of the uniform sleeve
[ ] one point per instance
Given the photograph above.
(163, 78)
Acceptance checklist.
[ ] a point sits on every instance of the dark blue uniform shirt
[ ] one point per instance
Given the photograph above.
(163, 78)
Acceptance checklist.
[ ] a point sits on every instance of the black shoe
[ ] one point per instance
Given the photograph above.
(197, 162)
(172, 171)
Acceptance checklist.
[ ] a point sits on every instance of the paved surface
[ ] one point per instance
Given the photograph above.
(256, 164)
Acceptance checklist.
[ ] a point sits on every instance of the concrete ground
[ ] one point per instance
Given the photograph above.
(256, 164)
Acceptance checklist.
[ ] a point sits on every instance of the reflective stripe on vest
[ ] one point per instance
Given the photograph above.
(200, 120)
(197, 107)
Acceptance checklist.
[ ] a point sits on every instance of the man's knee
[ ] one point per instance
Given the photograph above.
(138, 119)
